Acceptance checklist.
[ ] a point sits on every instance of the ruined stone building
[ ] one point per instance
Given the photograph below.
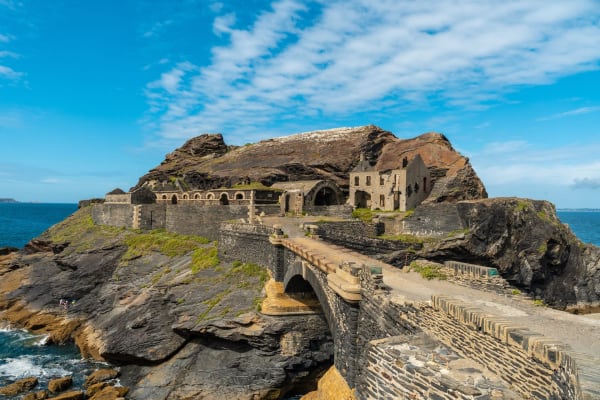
(299, 197)
(397, 189)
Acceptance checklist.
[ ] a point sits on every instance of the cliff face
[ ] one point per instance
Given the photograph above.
(206, 162)
(523, 239)
(182, 323)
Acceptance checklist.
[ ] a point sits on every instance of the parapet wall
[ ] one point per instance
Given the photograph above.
(250, 243)
(120, 215)
(359, 236)
(533, 366)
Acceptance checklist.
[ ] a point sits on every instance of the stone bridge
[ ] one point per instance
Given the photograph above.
(397, 335)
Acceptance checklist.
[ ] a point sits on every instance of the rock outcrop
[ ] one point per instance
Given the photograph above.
(161, 305)
(206, 162)
(523, 239)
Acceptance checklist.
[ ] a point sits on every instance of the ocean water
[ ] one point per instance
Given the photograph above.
(24, 355)
(21, 222)
(584, 224)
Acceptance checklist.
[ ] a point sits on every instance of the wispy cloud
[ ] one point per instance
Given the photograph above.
(570, 113)
(587, 183)
(157, 28)
(9, 73)
(364, 55)
(6, 38)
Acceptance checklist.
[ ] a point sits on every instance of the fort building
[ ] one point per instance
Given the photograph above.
(308, 196)
(396, 189)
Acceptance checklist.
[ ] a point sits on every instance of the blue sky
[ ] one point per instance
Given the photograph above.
(93, 94)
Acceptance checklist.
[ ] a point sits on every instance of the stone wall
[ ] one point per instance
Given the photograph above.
(113, 214)
(250, 243)
(359, 236)
(338, 211)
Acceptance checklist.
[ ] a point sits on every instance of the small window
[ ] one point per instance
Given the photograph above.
(368, 180)
(197, 196)
(381, 181)
(356, 181)
(382, 200)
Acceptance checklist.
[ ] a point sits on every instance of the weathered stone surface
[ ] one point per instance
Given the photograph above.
(95, 388)
(110, 393)
(73, 395)
(205, 162)
(7, 250)
(101, 375)
(60, 384)
(40, 395)
(20, 386)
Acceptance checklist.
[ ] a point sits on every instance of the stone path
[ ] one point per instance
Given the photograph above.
(579, 332)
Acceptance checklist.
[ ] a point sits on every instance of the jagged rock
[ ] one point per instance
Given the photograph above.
(40, 395)
(95, 388)
(73, 395)
(20, 386)
(101, 375)
(205, 162)
(7, 250)
(60, 384)
(110, 393)
(43, 246)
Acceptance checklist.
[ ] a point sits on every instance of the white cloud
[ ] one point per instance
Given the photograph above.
(157, 28)
(587, 183)
(9, 73)
(365, 55)
(570, 113)
(6, 38)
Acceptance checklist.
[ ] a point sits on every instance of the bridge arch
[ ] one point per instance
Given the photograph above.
(341, 316)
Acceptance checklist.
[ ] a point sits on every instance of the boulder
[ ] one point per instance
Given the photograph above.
(40, 395)
(74, 395)
(110, 393)
(20, 386)
(60, 384)
(101, 375)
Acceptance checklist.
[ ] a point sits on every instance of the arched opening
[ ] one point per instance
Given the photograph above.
(326, 197)
(224, 200)
(197, 196)
(287, 203)
(185, 196)
(239, 196)
(174, 199)
(362, 199)
(210, 196)
(164, 196)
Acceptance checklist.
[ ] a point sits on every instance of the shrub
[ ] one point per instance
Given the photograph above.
(428, 271)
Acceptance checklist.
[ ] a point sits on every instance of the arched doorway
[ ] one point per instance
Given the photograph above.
(224, 200)
(362, 199)
(326, 197)
(174, 199)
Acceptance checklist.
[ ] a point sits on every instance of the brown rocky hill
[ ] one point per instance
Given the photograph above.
(206, 162)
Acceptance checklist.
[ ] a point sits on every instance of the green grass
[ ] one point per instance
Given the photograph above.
(539, 303)
(212, 303)
(515, 292)
(364, 214)
(428, 271)
(522, 205)
(458, 232)
(253, 185)
(204, 257)
(241, 271)
(543, 247)
(167, 243)
(406, 238)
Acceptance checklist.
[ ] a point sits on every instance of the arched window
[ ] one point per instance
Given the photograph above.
(174, 199)
(224, 200)
(164, 196)
(197, 196)
(239, 196)
(185, 196)
(210, 196)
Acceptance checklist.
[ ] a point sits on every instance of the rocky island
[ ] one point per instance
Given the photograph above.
(246, 273)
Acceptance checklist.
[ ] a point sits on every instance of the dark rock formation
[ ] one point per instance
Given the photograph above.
(20, 386)
(205, 162)
(60, 384)
(522, 238)
(193, 330)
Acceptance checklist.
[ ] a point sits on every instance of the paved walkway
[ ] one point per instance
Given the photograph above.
(580, 333)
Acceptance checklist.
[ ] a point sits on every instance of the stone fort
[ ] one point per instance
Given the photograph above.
(389, 342)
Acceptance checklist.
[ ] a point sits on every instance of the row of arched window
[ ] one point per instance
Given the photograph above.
(223, 197)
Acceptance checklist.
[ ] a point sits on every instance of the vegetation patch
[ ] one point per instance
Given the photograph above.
(212, 303)
(242, 271)
(253, 185)
(204, 257)
(522, 205)
(407, 238)
(159, 240)
(458, 232)
(428, 271)
(543, 248)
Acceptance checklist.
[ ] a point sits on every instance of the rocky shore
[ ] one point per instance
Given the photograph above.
(176, 321)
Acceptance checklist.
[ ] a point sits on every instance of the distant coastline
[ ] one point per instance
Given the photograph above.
(6, 200)
(578, 209)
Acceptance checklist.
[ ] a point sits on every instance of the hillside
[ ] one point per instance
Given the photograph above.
(206, 162)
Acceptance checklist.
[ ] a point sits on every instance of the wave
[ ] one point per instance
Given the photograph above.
(26, 366)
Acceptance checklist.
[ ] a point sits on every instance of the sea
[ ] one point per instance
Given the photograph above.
(23, 354)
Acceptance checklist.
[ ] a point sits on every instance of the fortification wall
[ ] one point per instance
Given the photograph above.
(337, 211)
(113, 214)
(359, 236)
(200, 219)
(249, 243)
(532, 365)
